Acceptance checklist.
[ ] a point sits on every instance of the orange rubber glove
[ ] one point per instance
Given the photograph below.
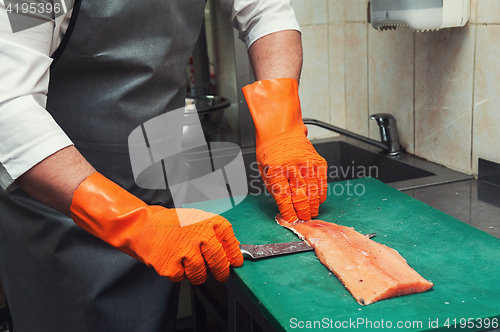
(294, 173)
(176, 242)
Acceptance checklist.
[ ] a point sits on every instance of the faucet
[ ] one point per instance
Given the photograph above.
(388, 132)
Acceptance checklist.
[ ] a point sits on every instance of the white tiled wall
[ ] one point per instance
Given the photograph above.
(356, 77)
(443, 87)
(444, 68)
(314, 79)
(391, 80)
(488, 11)
(486, 113)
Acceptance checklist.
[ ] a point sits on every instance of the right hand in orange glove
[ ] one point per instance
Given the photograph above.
(294, 173)
(178, 243)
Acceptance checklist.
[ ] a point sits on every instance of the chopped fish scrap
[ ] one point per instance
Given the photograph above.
(369, 270)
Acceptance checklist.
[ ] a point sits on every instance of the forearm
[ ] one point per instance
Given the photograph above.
(281, 136)
(277, 55)
(53, 180)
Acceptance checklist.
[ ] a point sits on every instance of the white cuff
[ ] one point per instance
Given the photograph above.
(28, 134)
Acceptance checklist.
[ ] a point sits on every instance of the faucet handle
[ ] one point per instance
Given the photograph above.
(388, 131)
(384, 119)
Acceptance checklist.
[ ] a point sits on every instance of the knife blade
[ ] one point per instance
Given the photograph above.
(274, 249)
(256, 251)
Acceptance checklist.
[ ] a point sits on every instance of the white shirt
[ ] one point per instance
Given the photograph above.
(28, 133)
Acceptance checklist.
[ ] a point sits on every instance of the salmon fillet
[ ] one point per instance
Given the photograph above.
(369, 270)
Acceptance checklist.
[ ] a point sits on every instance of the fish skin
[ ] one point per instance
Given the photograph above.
(370, 270)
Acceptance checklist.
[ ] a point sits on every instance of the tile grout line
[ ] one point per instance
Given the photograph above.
(473, 101)
(329, 85)
(476, 19)
(344, 48)
(368, 77)
(414, 91)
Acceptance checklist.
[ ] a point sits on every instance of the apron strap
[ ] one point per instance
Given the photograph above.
(59, 51)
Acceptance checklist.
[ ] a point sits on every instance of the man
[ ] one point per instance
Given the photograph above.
(123, 65)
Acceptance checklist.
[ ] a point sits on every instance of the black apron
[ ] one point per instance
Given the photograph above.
(123, 65)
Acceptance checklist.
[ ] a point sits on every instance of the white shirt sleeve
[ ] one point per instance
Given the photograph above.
(28, 133)
(257, 18)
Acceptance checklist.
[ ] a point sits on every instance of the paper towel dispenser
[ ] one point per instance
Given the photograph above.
(419, 15)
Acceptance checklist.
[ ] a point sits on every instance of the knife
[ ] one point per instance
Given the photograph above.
(274, 249)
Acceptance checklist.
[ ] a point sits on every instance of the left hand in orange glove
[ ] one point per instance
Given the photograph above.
(294, 173)
(178, 243)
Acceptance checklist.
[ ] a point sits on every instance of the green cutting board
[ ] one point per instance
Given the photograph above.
(296, 292)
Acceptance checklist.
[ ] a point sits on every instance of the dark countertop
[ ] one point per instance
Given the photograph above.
(466, 201)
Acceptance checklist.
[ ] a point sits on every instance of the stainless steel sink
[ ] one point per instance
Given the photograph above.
(350, 159)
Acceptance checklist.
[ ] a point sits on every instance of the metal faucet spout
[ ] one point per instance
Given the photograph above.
(345, 132)
(390, 141)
